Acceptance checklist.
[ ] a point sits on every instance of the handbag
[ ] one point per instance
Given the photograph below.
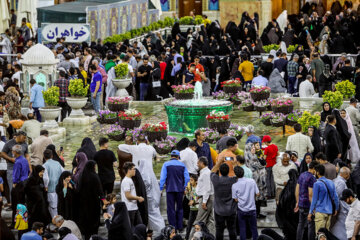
(155, 83)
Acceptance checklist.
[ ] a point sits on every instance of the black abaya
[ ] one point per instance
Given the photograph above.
(87, 147)
(65, 205)
(89, 195)
(119, 228)
(36, 198)
(55, 155)
(324, 113)
(342, 128)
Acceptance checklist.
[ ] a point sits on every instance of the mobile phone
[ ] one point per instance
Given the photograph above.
(61, 149)
(229, 158)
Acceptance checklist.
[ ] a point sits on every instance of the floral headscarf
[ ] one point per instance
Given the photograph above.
(22, 211)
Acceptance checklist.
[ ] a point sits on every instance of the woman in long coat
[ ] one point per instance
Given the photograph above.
(89, 197)
(258, 172)
(65, 190)
(36, 198)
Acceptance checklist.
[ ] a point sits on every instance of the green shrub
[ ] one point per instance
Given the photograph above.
(187, 20)
(198, 19)
(51, 96)
(121, 70)
(77, 88)
(346, 88)
(307, 119)
(268, 48)
(334, 98)
(291, 48)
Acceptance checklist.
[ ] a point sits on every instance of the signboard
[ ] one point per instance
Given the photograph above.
(72, 32)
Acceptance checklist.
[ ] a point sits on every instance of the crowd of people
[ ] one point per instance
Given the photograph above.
(314, 180)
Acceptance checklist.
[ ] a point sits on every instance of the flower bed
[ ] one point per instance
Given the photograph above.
(231, 86)
(218, 120)
(130, 118)
(117, 104)
(293, 117)
(282, 105)
(155, 131)
(278, 120)
(165, 146)
(116, 132)
(183, 91)
(259, 93)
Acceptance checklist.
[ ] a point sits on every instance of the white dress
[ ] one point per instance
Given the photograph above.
(354, 152)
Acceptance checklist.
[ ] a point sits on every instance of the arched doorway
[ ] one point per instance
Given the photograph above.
(186, 6)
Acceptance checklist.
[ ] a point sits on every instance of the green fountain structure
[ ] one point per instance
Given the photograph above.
(185, 116)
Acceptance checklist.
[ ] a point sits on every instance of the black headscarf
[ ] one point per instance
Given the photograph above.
(315, 140)
(285, 216)
(166, 232)
(342, 128)
(140, 232)
(63, 232)
(55, 155)
(35, 179)
(324, 113)
(87, 174)
(206, 233)
(87, 147)
(303, 165)
(182, 144)
(120, 227)
(62, 177)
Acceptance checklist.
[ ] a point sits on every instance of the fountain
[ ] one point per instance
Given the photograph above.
(185, 116)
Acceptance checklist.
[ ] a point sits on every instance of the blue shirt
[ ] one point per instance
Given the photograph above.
(36, 96)
(244, 190)
(176, 57)
(321, 201)
(96, 78)
(247, 172)
(253, 139)
(259, 81)
(54, 170)
(204, 151)
(305, 181)
(175, 175)
(175, 69)
(33, 235)
(20, 170)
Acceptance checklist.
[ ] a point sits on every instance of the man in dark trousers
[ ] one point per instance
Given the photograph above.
(175, 175)
(333, 145)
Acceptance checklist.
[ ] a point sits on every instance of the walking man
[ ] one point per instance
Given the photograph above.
(36, 98)
(95, 88)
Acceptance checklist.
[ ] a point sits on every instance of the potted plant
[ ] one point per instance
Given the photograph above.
(101, 116)
(231, 86)
(78, 97)
(282, 105)
(261, 106)
(307, 119)
(247, 105)
(218, 120)
(130, 119)
(258, 93)
(211, 135)
(334, 98)
(278, 120)
(122, 79)
(107, 117)
(221, 95)
(346, 88)
(116, 132)
(236, 131)
(183, 91)
(118, 104)
(266, 118)
(164, 146)
(292, 118)
(134, 133)
(51, 111)
(155, 131)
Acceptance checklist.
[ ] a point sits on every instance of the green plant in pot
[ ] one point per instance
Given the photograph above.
(334, 98)
(346, 88)
(307, 119)
(51, 111)
(122, 79)
(78, 97)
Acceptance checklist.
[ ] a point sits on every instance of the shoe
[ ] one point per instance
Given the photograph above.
(260, 216)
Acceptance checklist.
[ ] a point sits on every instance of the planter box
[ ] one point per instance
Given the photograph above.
(219, 125)
(184, 28)
(260, 109)
(248, 108)
(283, 110)
(235, 102)
(232, 89)
(260, 96)
(50, 114)
(76, 103)
(110, 120)
(162, 151)
(118, 107)
(266, 122)
(277, 124)
(184, 95)
(120, 137)
(129, 124)
(152, 136)
(100, 120)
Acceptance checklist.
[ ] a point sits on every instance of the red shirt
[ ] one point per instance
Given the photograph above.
(197, 77)
(162, 69)
(271, 153)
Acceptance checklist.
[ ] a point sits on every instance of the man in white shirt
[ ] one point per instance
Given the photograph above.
(205, 192)
(306, 88)
(280, 172)
(128, 194)
(17, 74)
(3, 168)
(354, 115)
(189, 157)
(352, 221)
(244, 192)
(299, 142)
(60, 222)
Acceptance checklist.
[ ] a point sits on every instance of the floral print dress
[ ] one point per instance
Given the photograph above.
(258, 171)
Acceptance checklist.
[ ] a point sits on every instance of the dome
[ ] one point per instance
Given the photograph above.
(39, 55)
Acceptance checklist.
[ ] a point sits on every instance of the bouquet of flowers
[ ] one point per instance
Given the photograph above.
(164, 146)
(217, 116)
(118, 100)
(187, 88)
(221, 95)
(130, 114)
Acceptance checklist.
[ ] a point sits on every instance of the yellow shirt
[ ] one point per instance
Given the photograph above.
(247, 70)
(214, 155)
(83, 72)
(29, 25)
(20, 223)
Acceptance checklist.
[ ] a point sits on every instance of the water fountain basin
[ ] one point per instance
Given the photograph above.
(185, 116)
